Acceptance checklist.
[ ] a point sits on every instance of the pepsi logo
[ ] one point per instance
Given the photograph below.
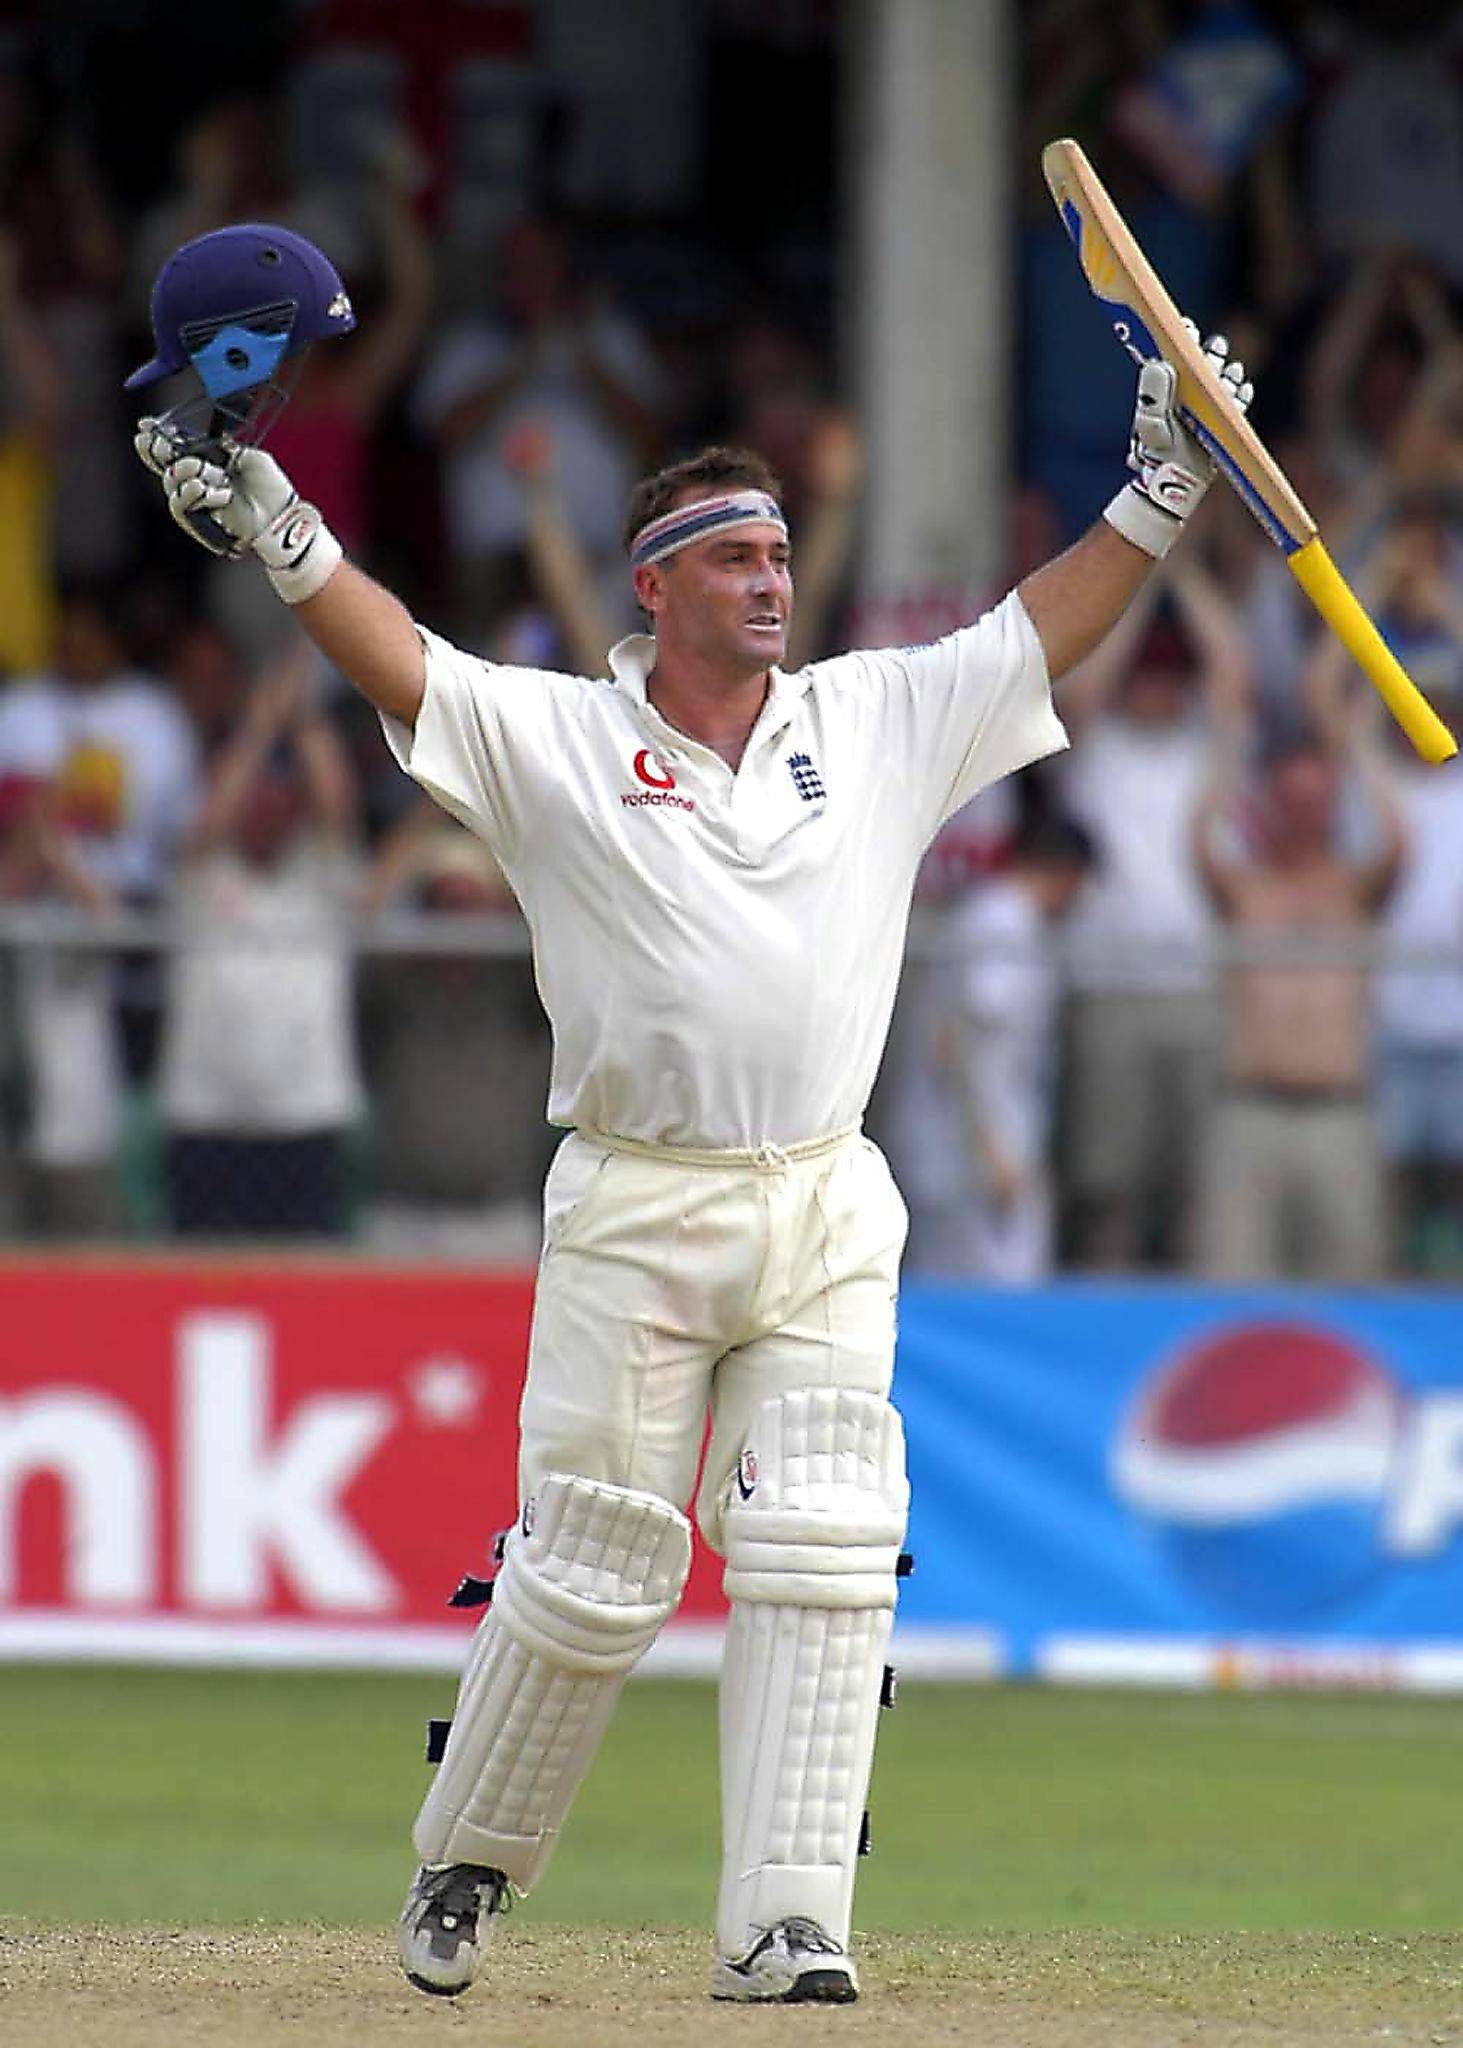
(1263, 1460)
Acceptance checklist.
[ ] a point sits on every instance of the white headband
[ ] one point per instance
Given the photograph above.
(673, 530)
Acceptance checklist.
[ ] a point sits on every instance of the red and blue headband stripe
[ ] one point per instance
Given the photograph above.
(673, 530)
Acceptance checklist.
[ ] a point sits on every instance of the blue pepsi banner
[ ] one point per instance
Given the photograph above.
(1131, 1484)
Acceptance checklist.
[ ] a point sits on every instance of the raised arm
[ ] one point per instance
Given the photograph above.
(273, 704)
(1076, 600)
(38, 396)
(329, 781)
(58, 859)
(1376, 875)
(1338, 350)
(370, 636)
(825, 537)
(1089, 686)
(560, 566)
(252, 507)
(1425, 450)
(1351, 719)
(380, 357)
(1231, 726)
(1227, 679)
(1224, 655)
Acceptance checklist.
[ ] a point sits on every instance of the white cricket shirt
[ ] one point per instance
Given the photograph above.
(718, 952)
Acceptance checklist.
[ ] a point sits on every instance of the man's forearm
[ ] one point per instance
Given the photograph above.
(1076, 600)
(370, 637)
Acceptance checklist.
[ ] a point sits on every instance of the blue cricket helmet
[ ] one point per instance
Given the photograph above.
(239, 307)
(233, 304)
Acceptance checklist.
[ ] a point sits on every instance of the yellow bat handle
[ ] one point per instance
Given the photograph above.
(1331, 595)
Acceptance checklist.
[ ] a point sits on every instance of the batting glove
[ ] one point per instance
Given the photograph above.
(1172, 469)
(245, 506)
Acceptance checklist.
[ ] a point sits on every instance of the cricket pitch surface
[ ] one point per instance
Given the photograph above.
(569, 1987)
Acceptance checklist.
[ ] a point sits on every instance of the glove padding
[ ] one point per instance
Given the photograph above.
(1171, 467)
(245, 504)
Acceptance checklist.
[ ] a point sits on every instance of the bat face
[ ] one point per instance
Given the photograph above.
(1111, 285)
(1149, 325)
(1109, 282)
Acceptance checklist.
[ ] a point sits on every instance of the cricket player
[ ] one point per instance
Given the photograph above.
(715, 858)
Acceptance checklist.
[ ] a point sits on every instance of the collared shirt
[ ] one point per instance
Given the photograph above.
(718, 950)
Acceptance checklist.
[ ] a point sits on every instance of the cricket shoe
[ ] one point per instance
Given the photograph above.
(795, 1963)
(445, 1924)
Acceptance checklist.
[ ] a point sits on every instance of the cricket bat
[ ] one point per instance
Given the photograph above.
(1148, 324)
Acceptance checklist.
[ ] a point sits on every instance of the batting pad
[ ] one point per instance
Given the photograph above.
(589, 1574)
(815, 1514)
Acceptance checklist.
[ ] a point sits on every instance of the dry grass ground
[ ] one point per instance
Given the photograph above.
(559, 1987)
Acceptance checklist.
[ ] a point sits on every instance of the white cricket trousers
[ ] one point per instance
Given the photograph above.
(673, 1282)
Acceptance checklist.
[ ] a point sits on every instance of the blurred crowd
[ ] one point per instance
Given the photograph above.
(1190, 997)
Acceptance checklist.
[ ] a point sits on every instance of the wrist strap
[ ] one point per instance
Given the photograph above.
(299, 552)
(1135, 516)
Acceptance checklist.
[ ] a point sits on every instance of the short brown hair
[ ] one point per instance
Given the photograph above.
(712, 469)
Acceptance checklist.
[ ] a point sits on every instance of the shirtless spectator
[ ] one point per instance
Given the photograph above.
(1410, 586)
(1295, 1183)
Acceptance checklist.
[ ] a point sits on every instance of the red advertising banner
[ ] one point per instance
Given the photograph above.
(221, 1460)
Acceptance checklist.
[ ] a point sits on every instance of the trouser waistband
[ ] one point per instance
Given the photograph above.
(770, 1158)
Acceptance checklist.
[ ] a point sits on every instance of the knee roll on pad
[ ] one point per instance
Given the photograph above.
(815, 1514)
(589, 1574)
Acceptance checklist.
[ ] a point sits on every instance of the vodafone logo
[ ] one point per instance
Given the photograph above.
(660, 791)
(646, 767)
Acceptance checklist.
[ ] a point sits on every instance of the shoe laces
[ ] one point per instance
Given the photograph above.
(464, 1890)
(808, 1935)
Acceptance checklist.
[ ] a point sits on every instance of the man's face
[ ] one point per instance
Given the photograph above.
(270, 819)
(207, 677)
(727, 599)
(87, 650)
(1303, 802)
(1061, 883)
(1155, 695)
